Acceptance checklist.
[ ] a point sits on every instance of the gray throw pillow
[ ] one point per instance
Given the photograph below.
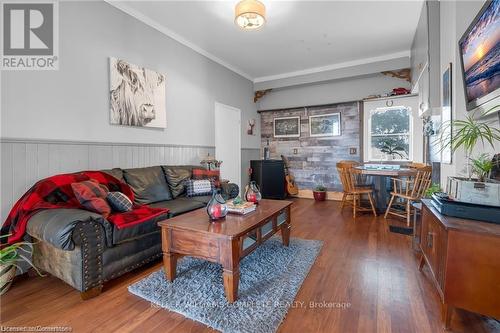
(115, 172)
(176, 178)
(149, 184)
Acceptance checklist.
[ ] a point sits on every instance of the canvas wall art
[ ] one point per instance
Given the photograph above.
(480, 56)
(137, 95)
(324, 125)
(287, 127)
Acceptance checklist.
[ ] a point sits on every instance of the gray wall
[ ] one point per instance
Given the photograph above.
(455, 18)
(58, 121)
(73, 103)
(337, 91)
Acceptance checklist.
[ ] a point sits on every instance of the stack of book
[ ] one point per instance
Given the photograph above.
(240, 208)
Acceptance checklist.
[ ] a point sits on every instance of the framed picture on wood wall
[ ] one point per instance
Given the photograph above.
(286, 127)
(324, 125)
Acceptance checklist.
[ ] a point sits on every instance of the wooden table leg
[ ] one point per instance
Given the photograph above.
(285, 233)
(170, 265)
(230, 260)
(169, 258)
(231, 283)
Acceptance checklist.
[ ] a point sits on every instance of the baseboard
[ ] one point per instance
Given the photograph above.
(330, 195)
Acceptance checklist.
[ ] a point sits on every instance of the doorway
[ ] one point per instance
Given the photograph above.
(228, 142)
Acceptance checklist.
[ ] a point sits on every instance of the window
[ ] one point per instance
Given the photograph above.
(389, 134)
(392, 130)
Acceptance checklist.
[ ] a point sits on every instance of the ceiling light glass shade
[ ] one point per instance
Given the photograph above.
(250, 14)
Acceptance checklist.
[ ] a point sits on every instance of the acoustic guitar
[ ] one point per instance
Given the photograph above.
(291, 187)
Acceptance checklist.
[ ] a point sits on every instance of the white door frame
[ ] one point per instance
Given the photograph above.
(220, 131)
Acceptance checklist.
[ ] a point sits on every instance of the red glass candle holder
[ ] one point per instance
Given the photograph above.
(216, 207)
(252, 193)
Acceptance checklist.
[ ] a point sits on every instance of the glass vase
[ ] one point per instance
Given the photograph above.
(216, 207)
(252, 193)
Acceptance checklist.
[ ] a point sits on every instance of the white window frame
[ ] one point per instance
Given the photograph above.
(410, 134)
(416, 143)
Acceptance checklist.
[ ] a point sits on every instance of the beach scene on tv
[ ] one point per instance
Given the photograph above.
(481, 54)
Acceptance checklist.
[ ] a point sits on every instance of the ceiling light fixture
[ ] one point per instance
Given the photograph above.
(250, 14)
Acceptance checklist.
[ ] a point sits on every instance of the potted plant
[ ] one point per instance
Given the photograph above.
(434, 188)
(10, 257)
(467, 134)
(482, 166)
(319, 193)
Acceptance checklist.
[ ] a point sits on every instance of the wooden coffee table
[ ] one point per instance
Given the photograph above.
(225, 242)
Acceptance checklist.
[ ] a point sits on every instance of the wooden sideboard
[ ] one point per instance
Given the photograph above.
(464, 260)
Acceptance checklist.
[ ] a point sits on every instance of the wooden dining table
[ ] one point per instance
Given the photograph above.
(380, 176)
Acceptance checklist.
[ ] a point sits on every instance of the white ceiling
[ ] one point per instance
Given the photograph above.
(299, 36)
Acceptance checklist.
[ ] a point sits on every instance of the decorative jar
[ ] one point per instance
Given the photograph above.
(216, 207)
(252, 193)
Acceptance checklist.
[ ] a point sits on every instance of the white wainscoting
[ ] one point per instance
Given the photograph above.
(24, 162)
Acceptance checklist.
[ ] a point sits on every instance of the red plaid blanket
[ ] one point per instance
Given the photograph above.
(56, 192)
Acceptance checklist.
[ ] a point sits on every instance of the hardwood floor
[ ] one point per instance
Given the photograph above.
(361, 264)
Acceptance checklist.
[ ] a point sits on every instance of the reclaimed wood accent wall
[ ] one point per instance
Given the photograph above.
(313, 159)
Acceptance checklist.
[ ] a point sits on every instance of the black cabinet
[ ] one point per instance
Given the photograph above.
(270, 176)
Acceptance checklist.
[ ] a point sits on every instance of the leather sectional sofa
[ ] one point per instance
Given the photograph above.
(84, 250)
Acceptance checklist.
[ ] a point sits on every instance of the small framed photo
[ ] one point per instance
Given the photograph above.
(324, 125)
(287, 127)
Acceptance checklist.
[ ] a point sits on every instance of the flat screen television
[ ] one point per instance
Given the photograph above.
(480, 56)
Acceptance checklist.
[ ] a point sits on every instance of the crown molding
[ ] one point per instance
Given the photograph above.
(157, 26)
(340, 65)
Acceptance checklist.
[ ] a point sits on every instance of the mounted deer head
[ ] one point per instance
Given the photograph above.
(250, 126)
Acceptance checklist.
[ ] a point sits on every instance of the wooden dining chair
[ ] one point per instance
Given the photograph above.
(409, 190)
(351, 189)
(416, 165)
(360, 179)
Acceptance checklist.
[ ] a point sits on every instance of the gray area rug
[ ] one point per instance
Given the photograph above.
(270, 277)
